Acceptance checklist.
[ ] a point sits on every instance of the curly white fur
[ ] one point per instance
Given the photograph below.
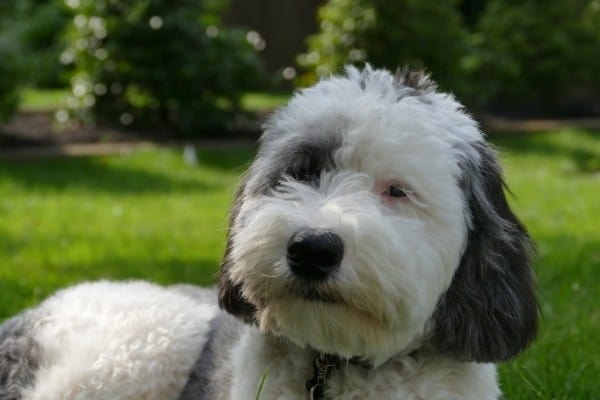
(401, 255)
(112, 341)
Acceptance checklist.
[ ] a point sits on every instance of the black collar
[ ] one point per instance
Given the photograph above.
(323, 366)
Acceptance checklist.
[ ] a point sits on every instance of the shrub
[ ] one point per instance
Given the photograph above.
(516, 57)
(11, 66)
(152, 62)
(9, 79)
(388, 34)
(42, 27)
(541, 57)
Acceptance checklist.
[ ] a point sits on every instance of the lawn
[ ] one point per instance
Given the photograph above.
(141, 215)
(34, 99)
(556, 182)
(150, 215)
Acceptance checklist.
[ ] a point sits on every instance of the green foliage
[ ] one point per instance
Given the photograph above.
(11, 73)
(42, 27)
(529, 57)
(538, 53)
(158, 63)
(11, 62)
(388, 34)
(29, 48)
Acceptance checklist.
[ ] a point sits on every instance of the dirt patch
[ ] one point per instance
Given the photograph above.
(494, 124)
(34, 129)
(35, 134)
(41, 129)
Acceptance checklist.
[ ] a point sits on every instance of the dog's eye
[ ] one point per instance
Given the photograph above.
(306, 175)
(396, 191)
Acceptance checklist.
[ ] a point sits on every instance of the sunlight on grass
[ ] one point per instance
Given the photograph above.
(43, 99)
(257, 102)
(52, 99)
(144, 215)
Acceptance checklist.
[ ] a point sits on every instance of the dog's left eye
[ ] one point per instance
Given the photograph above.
(396, 192)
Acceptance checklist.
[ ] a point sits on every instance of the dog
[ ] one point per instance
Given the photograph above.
(371, 254)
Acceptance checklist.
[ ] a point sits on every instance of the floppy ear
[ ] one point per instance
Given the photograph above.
(489, 312)
(230, 294)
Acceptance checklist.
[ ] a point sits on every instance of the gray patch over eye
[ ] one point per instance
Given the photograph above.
(301, 158)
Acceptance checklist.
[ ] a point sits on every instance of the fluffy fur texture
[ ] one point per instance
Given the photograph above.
(114, 341)
(434, 285)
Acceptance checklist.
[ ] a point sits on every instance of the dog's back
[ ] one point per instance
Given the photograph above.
(109, 340)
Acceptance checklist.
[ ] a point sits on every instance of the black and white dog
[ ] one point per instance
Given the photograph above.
(371, 254)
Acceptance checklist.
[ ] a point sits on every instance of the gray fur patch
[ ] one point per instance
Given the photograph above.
(19, 355)
(300, 156)
(490, 312)
(418, 80)
(210, 378)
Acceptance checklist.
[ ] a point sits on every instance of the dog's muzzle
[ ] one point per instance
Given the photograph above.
(313, 254)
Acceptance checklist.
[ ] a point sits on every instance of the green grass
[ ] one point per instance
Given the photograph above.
(43, 99)
(556, 182)
(144, 215)
(149, 215)
(257, 102)
(52, 99)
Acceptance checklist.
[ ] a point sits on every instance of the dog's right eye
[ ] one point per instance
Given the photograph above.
(396, 191)
(306, 175)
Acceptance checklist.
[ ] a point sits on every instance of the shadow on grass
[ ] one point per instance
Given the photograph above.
(234, 159)
(563, 256)
(93, 175)
(578, 148)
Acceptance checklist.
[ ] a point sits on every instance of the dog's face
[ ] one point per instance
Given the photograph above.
(373, 222)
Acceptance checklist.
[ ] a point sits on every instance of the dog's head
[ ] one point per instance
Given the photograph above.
(373, 221)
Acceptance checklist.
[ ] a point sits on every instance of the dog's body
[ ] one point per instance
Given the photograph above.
(370, 234)
(134, 340)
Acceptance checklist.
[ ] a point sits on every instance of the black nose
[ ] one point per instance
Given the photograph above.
(313, 253)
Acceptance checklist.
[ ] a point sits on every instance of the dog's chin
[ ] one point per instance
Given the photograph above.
(329, 325)
(312, 293)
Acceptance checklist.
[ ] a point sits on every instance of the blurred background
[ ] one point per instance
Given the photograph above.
(125, 125)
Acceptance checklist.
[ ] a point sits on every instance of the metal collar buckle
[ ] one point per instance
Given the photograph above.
(322, 368)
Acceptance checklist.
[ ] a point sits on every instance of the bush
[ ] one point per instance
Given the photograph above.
(158, 62)
(9, 79)
(539, 57)
(11, 66)
(523, 58)
(42, 29)
(388, 34)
